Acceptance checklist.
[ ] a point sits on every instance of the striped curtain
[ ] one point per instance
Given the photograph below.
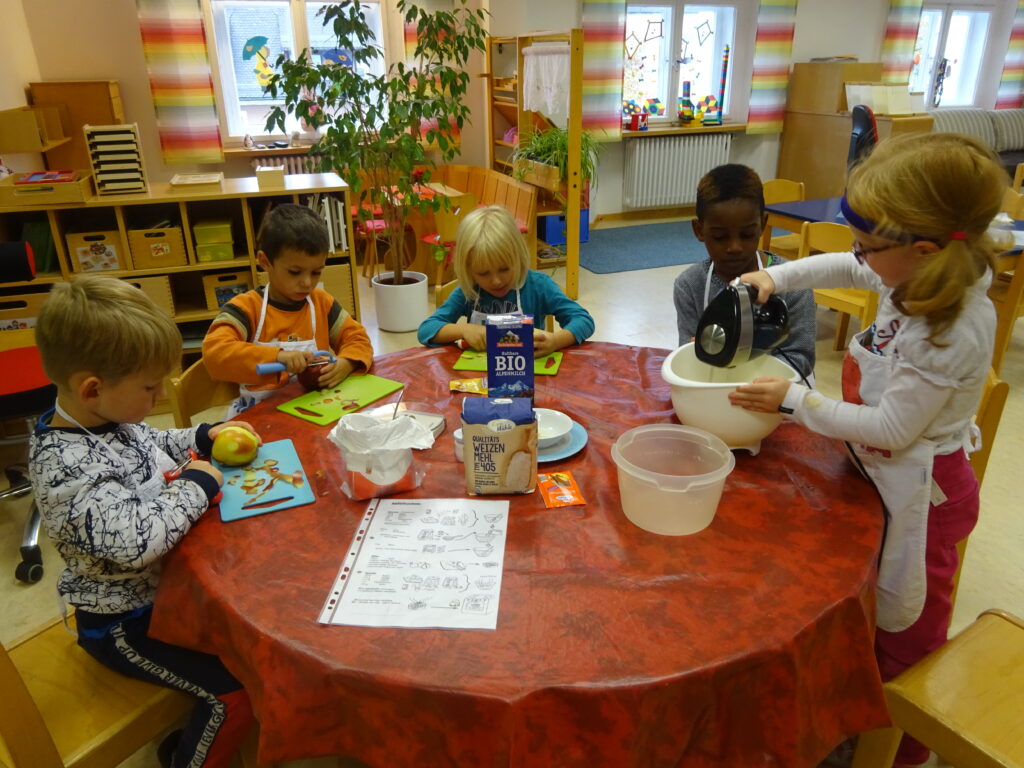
(604, 29)
(773, 49)
(174, 44)
(900, 36)
(1011, 84)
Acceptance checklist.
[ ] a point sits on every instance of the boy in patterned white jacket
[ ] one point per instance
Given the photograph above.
(98, 477)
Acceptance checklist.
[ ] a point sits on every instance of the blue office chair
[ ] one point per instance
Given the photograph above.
(863, 136)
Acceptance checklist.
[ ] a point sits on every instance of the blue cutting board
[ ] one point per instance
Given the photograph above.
(235, 499)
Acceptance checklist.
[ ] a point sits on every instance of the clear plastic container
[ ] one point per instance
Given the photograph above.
(671, 477)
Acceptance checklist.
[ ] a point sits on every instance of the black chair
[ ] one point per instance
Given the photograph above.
(24, 394)
(864, 135)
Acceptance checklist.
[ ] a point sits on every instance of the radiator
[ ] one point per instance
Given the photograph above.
(663, 171)
(291, 163)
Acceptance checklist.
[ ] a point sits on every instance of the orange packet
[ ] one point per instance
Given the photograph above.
(559, 489)
(473, 386)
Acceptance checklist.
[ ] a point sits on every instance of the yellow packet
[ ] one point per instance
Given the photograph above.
(559, 489)
(473, 386)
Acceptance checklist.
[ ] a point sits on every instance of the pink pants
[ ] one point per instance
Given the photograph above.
(948, 523)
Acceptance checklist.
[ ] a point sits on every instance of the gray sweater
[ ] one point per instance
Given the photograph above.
(688, 294)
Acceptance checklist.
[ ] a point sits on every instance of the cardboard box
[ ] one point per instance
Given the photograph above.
(20, 310)
(155, 248)
(551, 228)
(510, 356)
(221, 287)
(215, 251)
(818, 86)
(881, 98)
(45, 194)
(158, 288)
(270, 176)
(97, 251)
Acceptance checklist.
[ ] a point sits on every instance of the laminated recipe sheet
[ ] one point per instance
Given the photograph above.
(422, 563)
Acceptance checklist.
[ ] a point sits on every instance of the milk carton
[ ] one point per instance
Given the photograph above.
(510, 356)
(499, 445)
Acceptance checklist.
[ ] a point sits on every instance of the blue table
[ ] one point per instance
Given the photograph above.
(791, 216)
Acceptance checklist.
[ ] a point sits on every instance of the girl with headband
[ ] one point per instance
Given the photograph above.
(919, 208)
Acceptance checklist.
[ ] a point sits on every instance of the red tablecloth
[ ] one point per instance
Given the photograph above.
(747, 644)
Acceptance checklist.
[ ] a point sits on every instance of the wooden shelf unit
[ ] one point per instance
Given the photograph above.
(180, 288)
(503, 113)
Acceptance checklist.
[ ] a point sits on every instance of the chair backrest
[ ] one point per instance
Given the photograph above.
(783, 191)
(194, 391)
(824, 237)
(444, 291)
(60, 707)
(1007, 294)
(863, 134)
(987, 417)
(1013, 204)
(448, 217)
(1018, 177)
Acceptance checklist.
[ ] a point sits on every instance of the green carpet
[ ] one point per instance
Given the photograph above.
(644, 246)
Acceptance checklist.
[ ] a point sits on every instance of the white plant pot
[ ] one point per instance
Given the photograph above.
(400, 308)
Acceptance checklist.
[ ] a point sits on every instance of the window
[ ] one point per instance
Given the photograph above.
(671, 43)
(948, 53)
(249, 35)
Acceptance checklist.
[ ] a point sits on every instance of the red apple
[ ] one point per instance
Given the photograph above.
(235, 446)
(309, 378)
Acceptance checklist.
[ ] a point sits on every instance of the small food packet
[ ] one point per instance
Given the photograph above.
(559, 489)
(473, 386)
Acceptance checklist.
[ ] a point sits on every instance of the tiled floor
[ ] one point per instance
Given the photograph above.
(992, 577)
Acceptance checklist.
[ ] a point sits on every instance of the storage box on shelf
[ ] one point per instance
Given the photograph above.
(222, 287)
(97, 251)
(158, 247)
(551, 227)
(158, 288)
(44, 193)
(214, 241)
(20, 310)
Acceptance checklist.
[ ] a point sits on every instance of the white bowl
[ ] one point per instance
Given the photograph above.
(700, 396)
(552, 427)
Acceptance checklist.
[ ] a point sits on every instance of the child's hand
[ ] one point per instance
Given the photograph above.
(294, 360)
(762, 281)
(544, 343)
(475, 335)
(334, 373)
(764, 395)
(208, 468)
(216, 430)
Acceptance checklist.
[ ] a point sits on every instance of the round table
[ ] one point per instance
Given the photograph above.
(747, 644)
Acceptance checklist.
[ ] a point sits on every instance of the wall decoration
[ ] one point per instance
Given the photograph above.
(604, 28)
(255, 48)
(1011, 83)
(773, 49)
(900, 37)
(174, 44)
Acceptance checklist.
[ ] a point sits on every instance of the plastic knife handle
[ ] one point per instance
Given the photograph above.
(264, 368)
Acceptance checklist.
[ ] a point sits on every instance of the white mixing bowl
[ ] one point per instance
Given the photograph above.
(552, 427)
(700, 395)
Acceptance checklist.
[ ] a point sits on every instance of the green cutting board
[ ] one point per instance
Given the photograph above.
(473, 360)
(326, 406)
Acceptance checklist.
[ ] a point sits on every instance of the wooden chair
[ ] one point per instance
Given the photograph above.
(1018, 177)
(963, 701)
(781, 191)
(987, 417)
(825, 237)
(60, 707)
(447, 219)
(194, 391)
(1008, 285)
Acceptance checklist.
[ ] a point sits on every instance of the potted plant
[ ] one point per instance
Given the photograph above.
(382, 132)
(543, 158)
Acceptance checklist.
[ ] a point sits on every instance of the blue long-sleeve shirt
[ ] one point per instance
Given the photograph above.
(540, 296)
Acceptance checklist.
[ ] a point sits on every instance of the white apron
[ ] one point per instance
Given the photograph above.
(247, 398)
(476, 317)
(904, 481)
(711, 271)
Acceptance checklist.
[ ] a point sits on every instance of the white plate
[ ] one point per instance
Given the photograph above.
(573, 443)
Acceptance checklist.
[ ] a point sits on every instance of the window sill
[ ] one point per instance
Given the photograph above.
(302, 149)
(673, 127)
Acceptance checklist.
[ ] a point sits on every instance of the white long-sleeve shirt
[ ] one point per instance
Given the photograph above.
(933, 391)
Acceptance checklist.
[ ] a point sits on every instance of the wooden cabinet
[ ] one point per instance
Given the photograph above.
(110, 231)
(80, 102)
(815, 140)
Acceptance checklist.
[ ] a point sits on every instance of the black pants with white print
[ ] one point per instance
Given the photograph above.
(222, 715)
